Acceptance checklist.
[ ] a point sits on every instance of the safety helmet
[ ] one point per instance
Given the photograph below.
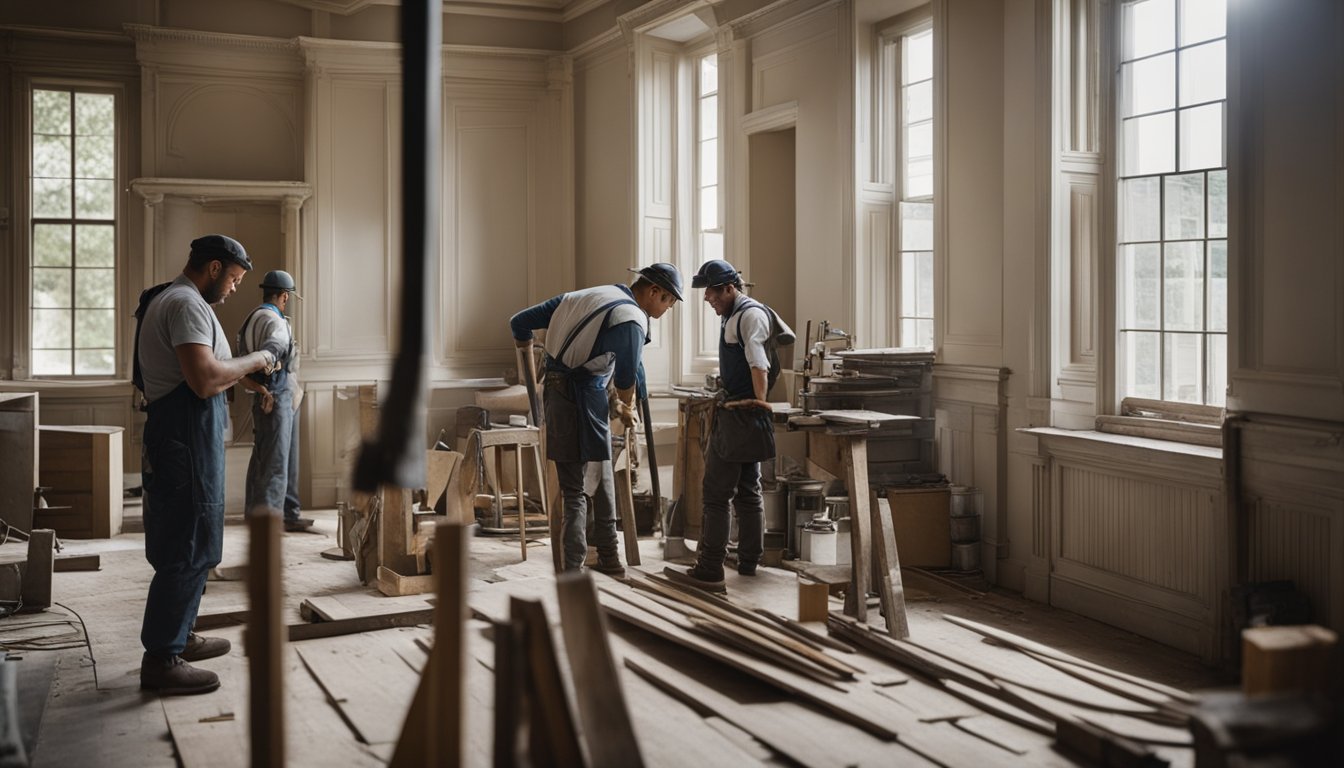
(663, 275)
(279, 280)
(714, 273)
(222, 248)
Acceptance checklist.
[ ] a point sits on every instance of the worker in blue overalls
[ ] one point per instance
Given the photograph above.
(183, 366)
(593, 337)
(273, 472)
(743, 432)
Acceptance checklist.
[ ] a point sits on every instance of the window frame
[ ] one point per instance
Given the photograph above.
(1115, 119)
(23, 235)
(696, 324)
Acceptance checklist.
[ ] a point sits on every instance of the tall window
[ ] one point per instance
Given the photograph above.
(1172, 251)
(708, 228)
(73, 233)
(915, 189)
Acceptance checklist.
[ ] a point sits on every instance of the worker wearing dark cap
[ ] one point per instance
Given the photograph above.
(594, 337)
(183, 366)
(743, 432)
(273, 472)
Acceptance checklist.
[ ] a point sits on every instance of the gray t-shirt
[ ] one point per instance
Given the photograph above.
(177, 316)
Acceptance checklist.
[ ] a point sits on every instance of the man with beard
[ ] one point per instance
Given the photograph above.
(183, 366)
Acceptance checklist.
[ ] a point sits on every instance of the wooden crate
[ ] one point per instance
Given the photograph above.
(18, 446)
(82, 466)
(923, 529)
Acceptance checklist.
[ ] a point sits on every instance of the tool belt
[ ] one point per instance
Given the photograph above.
(742, 435)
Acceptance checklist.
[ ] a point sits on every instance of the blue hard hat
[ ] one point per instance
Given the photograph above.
(714, 273)
(279, 280)
(663, 275)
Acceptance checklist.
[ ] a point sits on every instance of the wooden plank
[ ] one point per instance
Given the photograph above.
(395, 537)
(554, 740)
(445, 716)
(325, 609)
(359, 624)
(629, 534)
(265, 642)
(35, 589)
(68, 563)
(855, 455)
(814, 600)
(603, 714)
(368, 683)
(1024, 644)
(889, 587)
(1289, 659)
(509, 653)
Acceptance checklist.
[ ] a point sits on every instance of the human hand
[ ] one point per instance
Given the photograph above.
(267, 401)
(627, 414)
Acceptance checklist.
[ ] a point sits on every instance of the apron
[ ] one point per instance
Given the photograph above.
(578, 421)
(740, 435)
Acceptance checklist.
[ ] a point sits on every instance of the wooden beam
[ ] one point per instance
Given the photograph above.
(67, 563)
(889, 586)
(627, 509)
(855, 455)
(601, 701)
(265, 642)
(445, 716)
(554, 740)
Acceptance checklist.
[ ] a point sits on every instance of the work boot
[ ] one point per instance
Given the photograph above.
(611, 566)
(200, 648)
(174, 677)
(700, 577)
(298, 524)
(746, 568)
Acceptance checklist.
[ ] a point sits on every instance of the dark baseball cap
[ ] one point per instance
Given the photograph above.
(223, 248)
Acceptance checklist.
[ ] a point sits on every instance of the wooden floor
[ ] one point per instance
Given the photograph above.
(347, 696)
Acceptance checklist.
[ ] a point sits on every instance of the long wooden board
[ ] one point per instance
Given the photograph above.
(890, 589)
(368, 682)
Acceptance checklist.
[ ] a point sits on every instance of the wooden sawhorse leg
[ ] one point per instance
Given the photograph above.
(872, 539)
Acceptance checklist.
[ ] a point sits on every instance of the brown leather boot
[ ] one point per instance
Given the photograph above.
(200, 648)
(174, 677)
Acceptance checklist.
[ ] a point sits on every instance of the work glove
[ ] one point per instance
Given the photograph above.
(627, 414)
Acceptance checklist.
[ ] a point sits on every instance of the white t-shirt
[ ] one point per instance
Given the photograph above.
(752, 326)
(175, 317)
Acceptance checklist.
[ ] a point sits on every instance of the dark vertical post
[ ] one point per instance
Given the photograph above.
(265, 641)
(398, 455)
(445, 714)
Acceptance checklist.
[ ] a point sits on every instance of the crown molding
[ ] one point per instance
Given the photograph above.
(204, 191)
(146, 34)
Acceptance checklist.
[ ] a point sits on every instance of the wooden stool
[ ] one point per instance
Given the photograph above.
(515, 439)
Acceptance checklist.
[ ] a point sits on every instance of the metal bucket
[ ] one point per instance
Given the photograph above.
(775, 503)
(965, 529)
(966, 557)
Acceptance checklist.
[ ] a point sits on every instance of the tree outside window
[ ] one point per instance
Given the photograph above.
(915, 189)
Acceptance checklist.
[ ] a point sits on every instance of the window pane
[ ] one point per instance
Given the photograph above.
(51, 362)
(1142, 364)
(51, 157)
(909, 333)
(1218, 204)
(709, 75)
(96, 245)
(1149, 27)
(709, 117)
(919, 140)
(51, 288)
(924, 333)
(51, 328)
(1139, 210)
(924, 267)
(1204, 73)
(709, 208)
(1148, 85)
(51, 245)
(95, 289)
(1183, 367)
(918, 63)
(1139, 286)
(1216, 394)
(94, 199)
(94, 157)
(1202, 20)
(1202, 137)
(919, 102)
(919, 178)
(95, 328)
(1183, 287)
(51, 198)
(709, 162)
(916, 226)
(94, 114)
(1150, 144)
(97, 362)
(1184, 204)
(1217, 285)
(711, 246)
(51, 113)
(909, 285)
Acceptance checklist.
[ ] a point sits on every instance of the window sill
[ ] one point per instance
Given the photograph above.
(1094, 441)
(70, 388)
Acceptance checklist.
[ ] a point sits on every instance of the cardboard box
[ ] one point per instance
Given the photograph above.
(923, 530)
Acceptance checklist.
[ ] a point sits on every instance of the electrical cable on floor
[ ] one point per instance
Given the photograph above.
(53, 642)
(87, 642)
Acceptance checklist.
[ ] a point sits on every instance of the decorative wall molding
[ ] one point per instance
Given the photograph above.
(203, 191)
(778, 117)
